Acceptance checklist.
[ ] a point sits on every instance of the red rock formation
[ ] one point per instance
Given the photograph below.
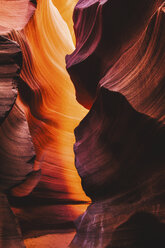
(118, 72)
(16, 148)
(120, 159)
(10, 234)
(15, 14)
(104, 31)
(11, 59)
(47, 97)
(139, 73)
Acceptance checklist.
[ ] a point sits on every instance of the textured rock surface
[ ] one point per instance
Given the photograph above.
(119, 144)
(122, 170)
(142, 229)
(17, 153)
(10, 65)
(15, 14)
(10, 234)
(47, 96)
(16, 149)
(118, 72)
(139, 73)
(104, 31)
(125, 147)
(50, 104)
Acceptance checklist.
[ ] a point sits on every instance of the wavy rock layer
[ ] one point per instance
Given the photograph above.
(57, 113)
(104, 31)
(16, 159)
(128, 147)
(119, 154)
(122, 170)
(141, 79)
(16, 149)
(10, 65)
(119, 149)
(15, 14)
(47, 96)
(66, 10)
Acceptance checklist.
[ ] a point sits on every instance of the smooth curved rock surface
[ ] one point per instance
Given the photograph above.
(49, 100)
(104, 31)
(139, 73)
(66, 10)
(118, 66)
(119, 155)
(47, 97)
(119, 151)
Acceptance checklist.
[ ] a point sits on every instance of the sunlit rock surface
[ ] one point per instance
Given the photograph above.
(47, 96)
(65, 7)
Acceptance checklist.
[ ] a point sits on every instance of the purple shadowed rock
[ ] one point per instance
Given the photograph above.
(104, 31)
(17, 177)
(10, 66)
(118, 72)
(119, 155)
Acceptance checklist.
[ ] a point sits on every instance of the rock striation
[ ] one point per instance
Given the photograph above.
(104, 31)
(17, 153)
(10, 65)
(15, 14)
(118, 72)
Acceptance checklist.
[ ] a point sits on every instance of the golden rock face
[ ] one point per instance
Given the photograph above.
(47, 99)
(51, 108)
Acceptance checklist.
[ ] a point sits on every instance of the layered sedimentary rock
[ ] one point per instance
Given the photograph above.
(128, 147)
(47, 97)
(15, 14)
(10, 65)
(118, 72)
(66, 10)
(16, 148)
(141, 79)
(104, 31)
(122, 170)
(17, 153)
(16, 172)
